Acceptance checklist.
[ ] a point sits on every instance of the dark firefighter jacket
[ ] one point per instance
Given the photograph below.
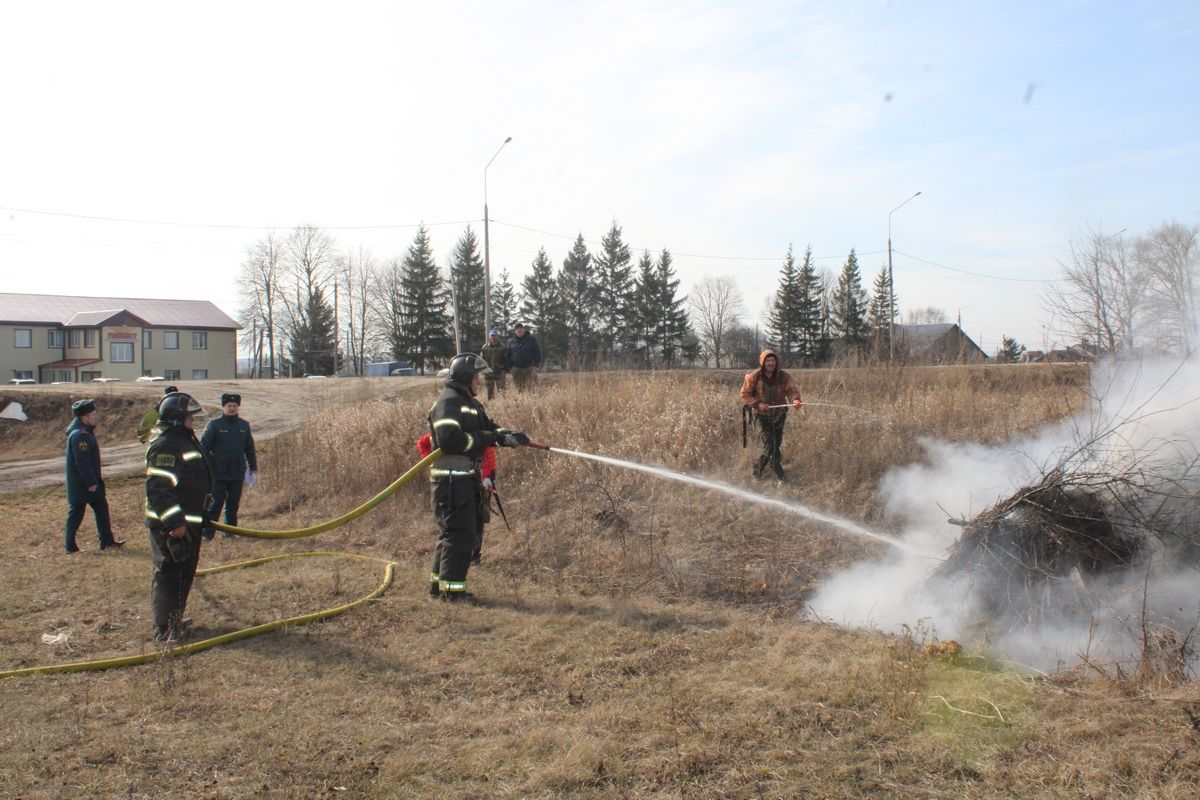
(229, 442)
(459, 425)
(774, 391)
(523, 351)
(179, 478)
(83, 462)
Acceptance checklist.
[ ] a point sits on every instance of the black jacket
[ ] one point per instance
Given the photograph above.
(229, 442)
(523, 351)
(179, 479)
(462, 429)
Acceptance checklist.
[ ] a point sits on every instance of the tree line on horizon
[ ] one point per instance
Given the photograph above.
(311, 308)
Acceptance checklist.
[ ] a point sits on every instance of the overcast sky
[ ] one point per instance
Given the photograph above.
(144, 146)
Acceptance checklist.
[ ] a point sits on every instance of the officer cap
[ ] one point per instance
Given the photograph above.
(231, 397)
(81, 407)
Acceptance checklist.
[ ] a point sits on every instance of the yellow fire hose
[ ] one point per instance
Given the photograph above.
(245, 633)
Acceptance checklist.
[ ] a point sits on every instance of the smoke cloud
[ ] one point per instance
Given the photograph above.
(1138, 443)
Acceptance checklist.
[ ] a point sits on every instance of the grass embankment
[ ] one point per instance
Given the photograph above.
(599, 665)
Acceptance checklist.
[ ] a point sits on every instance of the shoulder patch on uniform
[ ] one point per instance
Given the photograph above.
(164, 460)
(83, 448)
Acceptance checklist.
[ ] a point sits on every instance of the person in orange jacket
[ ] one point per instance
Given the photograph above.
(487, 470)
(763, 388)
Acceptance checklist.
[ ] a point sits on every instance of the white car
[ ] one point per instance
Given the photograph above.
(444, 372)
(105, 380)
(150, 378)
(22, 381)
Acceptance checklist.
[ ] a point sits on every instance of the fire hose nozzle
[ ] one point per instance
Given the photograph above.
(537, 446)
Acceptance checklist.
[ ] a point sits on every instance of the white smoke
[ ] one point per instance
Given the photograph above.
(1142, 423)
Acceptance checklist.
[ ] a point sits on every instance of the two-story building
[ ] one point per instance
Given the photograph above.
(60, 338)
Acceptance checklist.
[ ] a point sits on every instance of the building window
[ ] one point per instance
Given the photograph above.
(22, 337)
(170, 374)
(199, 374)
(64, 376)
(170, 340)
(146, 373)
(74, 338)
(120, 352)
(89, 338)
(89, 376)
(147, 339)
(199, 340)
(25, 374)
(54, 338)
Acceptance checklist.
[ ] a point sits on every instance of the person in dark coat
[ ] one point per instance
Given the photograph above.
(229, 441)
(495, 353)
(524, 357)
(179, 477)
(85, 485)
(461, 428)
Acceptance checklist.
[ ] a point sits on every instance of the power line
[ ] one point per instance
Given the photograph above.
(977, 274)
(221, 226)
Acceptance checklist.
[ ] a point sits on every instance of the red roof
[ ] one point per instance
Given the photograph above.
(70, 362)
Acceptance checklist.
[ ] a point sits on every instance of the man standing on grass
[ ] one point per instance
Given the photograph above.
(765, 390)
(524, 356)
(85, 486)
(179, 478)
(461, 428)
(229, 441)
(495, 353)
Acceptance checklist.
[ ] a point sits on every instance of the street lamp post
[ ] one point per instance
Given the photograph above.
(487, 253)
(892, 289)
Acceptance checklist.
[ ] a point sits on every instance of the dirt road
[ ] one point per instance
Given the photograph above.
(272, 407)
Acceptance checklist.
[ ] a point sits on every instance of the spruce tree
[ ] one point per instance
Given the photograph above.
(1010, 351)
(424, 322)
(467, 276)
(541, 307)
(880, 315)
(848, 306)
(810, 299)
(579, 295)
(614, 290)
(504, 304)
(645, 318)
(783, 320)
(674, 326)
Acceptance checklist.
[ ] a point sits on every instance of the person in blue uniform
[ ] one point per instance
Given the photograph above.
(85, 485)
(228, 440)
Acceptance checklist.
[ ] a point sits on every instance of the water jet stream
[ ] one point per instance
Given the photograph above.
(841, 524)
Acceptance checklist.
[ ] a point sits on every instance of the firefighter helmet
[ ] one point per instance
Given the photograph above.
(466, 366)
(176, 407)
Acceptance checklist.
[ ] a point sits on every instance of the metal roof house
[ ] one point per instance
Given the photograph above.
(938, 343)
(67, 338)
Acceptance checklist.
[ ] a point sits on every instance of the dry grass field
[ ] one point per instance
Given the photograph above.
(635, 638)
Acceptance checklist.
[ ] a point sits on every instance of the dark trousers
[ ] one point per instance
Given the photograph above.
(771, 430)
(99, 504)
(174, 563)
(496, 382)
(456, 507)
(229, 495)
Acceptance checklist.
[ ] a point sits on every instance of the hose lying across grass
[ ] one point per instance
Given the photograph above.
(245, 633)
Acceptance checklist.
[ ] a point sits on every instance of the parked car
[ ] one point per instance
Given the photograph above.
(149, 378)
(315, 377)
(105, 380)
(444, 372)
(405, 371)
(22, 381)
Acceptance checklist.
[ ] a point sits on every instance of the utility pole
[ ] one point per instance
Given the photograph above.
(892, 289)
(487, 256)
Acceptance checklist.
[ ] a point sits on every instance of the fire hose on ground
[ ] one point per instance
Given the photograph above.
(245, 633)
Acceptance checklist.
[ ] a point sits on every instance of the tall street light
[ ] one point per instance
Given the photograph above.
(892, 288)
(487, 253)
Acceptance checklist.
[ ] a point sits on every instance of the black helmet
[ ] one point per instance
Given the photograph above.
(176, 407)
(466, 366)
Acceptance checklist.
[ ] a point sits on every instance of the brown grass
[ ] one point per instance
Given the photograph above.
(600, 665)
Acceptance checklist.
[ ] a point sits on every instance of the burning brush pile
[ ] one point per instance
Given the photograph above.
(1056, 551)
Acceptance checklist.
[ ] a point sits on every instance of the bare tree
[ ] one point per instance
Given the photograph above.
(930, 315)
(1170, 257)
(716, 305)
(1102, 291)
(359, 274)
(310, 262)
(260, 289)
(387, 300)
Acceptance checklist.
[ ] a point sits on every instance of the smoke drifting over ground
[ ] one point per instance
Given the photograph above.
(1134, 455)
